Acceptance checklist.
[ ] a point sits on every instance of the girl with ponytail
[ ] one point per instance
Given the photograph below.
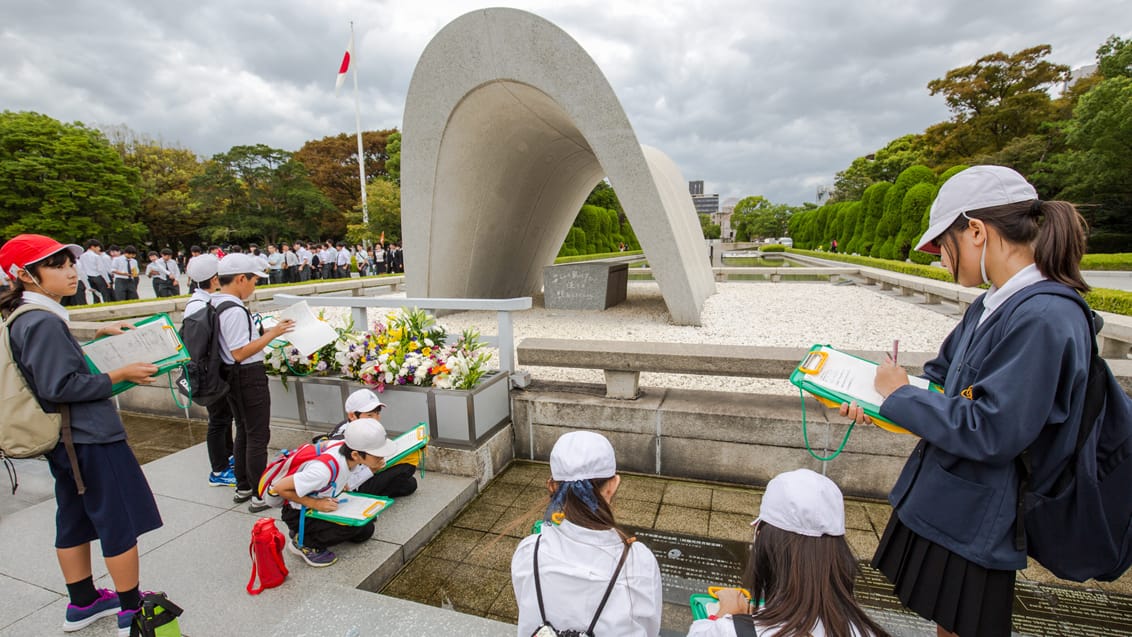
(580, 574)
(1013, 374)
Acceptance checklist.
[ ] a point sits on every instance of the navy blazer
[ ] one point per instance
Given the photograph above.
(1015, 382)
(53, 364)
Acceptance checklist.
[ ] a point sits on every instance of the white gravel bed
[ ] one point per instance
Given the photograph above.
(761, 314)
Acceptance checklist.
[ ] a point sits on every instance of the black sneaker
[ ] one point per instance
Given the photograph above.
(242, 495)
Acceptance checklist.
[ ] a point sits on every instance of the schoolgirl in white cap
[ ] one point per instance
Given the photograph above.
(800, 566)
(1014, 373)
(581, 572)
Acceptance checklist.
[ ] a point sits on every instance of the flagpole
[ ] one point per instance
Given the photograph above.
(358, 126)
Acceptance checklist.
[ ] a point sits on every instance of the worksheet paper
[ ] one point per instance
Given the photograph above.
(847, 374)
(355, 506)
(310, 334)
(149, 343)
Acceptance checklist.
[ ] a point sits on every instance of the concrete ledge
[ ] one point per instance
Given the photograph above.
(720, 436)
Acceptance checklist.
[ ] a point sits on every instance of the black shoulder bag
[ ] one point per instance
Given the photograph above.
(546, 629)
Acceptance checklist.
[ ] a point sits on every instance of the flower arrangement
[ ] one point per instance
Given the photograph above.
(407, 347)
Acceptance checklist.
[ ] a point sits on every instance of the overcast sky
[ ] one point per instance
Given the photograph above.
(769, 97)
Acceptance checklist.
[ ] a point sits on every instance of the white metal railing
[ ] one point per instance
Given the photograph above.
(504, 339)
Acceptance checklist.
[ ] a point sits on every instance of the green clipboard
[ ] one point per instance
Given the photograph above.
(362, 506)
(836, 377)
(408, 443)
(703, 605)
(142, 337)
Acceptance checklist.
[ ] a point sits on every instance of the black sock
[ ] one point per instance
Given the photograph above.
(129, 600)
(82, 592)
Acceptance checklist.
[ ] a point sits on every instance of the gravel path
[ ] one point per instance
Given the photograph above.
(762, 314)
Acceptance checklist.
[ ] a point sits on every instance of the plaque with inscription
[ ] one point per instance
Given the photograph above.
(690, 564)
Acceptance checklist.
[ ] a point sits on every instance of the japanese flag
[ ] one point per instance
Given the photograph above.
(347, 60)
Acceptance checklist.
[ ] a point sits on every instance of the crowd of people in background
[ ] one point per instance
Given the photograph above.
(113, 273)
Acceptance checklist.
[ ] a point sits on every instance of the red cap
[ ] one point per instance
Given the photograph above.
(25, 249)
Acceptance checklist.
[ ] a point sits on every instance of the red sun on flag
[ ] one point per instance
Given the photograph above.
(344, 68)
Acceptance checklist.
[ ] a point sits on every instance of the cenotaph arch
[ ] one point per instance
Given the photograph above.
(508, 126)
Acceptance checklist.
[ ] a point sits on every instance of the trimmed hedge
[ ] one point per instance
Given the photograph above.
(1100, 299)
(773, 247)
(603, 255)
(1119, 261)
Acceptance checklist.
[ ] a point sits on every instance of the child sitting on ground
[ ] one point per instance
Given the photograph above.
(800, 566)
(396, 481)
(361, 451)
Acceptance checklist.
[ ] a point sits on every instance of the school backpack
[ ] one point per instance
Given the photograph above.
(266, 551)
(26, 431)
(201, 380)
(291, 460)
(157, 617)
(1081, 528)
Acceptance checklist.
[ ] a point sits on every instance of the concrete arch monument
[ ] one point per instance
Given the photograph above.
(508, 126)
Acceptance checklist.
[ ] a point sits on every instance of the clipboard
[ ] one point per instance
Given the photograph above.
(835, 377)
(407, 444)
(703, 605)
(154, 340)
(354, 509)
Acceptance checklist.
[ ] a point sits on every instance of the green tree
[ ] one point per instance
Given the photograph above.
(1098, 170)
(993, 101)
(65, 181)
(393, 162)
(885, 164)
(332, 165)
(710, 230)
(384, 199)
(1114, 57)
(258, 193)
(167, 208)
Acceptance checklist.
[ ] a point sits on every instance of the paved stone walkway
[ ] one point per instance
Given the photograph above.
(467, 567)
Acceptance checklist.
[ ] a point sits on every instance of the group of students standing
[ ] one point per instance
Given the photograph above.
(949, 548)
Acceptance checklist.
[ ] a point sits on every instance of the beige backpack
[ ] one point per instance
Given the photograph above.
(26, 431)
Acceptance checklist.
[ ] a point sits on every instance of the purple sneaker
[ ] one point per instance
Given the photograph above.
(79, 617)
(125, 621)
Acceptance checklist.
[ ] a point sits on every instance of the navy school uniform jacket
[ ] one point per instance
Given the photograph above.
(1015, 382)
(53, 364)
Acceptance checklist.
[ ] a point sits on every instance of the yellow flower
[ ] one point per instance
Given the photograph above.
(414, 346)
(557, 517)
(427, 351)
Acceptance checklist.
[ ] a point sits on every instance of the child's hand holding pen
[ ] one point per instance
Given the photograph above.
(890, 376)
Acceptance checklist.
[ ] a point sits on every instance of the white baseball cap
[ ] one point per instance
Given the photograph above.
(240, 263)
(367, 434)
(976, 188)
(582, 455)
(803, 502)
(202, 268)
(363, 401)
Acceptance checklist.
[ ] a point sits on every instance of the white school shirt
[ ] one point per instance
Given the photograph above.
(305, 256)
(83, 272)
(105, 267)
(331, 256)
(196, 302)
(725, 627)
(155, 267)
(344, 257)
(575, 565)
(995, 297)
(315, 475)
(275, 261)
(120, 264)
(172, 268)
(378, 255)
(91, 265)
(290, 258)
(236, 330)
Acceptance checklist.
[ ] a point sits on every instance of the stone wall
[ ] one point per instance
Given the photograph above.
(719, 436)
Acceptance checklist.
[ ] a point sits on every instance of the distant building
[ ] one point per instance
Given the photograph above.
(1079, 73)
(705, 204)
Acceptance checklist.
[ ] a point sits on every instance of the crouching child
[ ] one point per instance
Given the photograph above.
(396, 481)
(341, 465)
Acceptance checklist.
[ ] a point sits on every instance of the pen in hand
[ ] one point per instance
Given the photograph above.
(895, 350)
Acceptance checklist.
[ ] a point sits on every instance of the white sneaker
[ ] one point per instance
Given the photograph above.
(257, 504)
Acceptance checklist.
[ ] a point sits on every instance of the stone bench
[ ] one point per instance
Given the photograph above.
(589, 285)
(623, 361)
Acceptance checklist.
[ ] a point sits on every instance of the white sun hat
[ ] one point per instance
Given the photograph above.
(582, 455)
(803, 502)
(976, 188)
